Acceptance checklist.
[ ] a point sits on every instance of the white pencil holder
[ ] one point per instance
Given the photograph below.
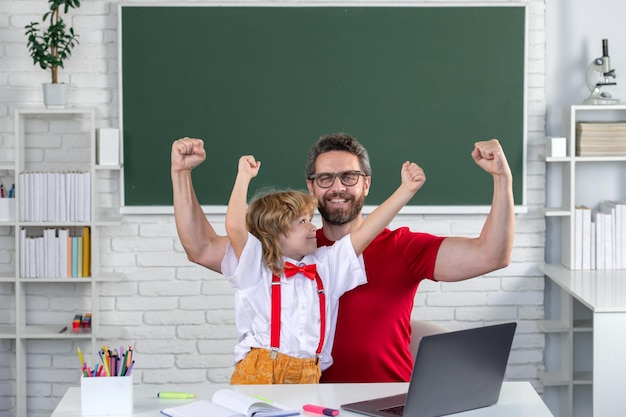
(7, 209)
(101, 396)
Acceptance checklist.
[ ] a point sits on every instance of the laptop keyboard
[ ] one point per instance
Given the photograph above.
(396, 411)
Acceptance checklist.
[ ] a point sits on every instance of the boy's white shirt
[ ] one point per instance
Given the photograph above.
(340, 270)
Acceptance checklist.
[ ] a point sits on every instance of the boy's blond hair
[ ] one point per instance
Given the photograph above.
(269, 215)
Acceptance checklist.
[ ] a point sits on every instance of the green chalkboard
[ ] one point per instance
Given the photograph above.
(418, 83)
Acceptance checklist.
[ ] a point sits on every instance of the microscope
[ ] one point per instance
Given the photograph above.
(601, 65)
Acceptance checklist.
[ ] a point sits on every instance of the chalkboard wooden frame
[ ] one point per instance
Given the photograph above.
(463, 80)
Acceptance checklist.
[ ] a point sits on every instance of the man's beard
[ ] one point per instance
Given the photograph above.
(340, 217)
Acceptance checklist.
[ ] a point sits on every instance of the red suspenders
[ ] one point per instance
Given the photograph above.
(275, 317)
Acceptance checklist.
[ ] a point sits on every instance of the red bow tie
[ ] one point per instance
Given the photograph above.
(307, 270)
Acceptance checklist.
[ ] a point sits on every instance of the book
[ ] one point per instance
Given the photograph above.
(609, 247)
(63, 253)
(618, 209)
(48, 253)
(87, 196)
(228, 403)
(35, 199)
(593, 245)
(621, 209)
(70, 255)
(71, 196)
(79, 257)
(599, 222)
(49, 208)
(80, 197)
(615, 210)
(74, 256)
(61, 197)
(40, 255)
(86, 251)
(32, 257)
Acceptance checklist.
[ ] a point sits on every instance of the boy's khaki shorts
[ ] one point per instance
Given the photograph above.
(259, 368)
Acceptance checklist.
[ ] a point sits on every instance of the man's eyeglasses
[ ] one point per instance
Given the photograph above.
(327, 179)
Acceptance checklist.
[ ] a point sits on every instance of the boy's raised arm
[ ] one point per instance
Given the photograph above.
(413, 178)
(237, 204)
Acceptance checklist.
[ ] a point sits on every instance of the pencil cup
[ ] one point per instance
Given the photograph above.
(100, 396)
(7, 209)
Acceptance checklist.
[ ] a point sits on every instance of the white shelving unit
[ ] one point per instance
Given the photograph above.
(585, 310)
(29, 327)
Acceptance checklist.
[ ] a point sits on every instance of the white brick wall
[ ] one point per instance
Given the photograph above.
(179, 316)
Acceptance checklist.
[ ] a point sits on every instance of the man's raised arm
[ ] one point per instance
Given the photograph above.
(461, 258)
(202, 244)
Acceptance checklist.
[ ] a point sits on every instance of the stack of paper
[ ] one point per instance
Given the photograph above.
(600, 139)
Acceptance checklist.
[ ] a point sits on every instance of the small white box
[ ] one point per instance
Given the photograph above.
(7, 209)
(101, 396)
(557, 147)
(108, 146)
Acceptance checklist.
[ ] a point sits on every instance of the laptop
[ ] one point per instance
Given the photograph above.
(453, 372)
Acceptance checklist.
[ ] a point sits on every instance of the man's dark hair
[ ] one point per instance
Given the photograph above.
(338, 142)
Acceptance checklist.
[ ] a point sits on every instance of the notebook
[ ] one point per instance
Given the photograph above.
(453, 372)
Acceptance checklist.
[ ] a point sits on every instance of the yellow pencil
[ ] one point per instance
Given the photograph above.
(106, 361)
(80, 357)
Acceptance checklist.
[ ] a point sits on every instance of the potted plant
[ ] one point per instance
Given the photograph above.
(49, 48)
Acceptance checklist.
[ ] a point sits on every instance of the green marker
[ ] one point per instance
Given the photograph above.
(175, 395)
(265, 400)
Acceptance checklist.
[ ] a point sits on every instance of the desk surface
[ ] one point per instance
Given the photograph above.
(517, 399)
(602, 291)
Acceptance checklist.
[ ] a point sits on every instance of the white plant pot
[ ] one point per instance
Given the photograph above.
(55, 95)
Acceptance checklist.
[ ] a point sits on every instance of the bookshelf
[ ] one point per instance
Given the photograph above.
(53, 140)
(583, 308)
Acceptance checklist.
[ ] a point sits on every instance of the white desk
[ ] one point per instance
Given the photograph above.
(517, 399)
(601, 365)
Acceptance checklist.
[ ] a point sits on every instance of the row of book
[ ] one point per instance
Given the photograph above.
(55, 196)
(601, 139)
(57, 253)
(600, 236)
